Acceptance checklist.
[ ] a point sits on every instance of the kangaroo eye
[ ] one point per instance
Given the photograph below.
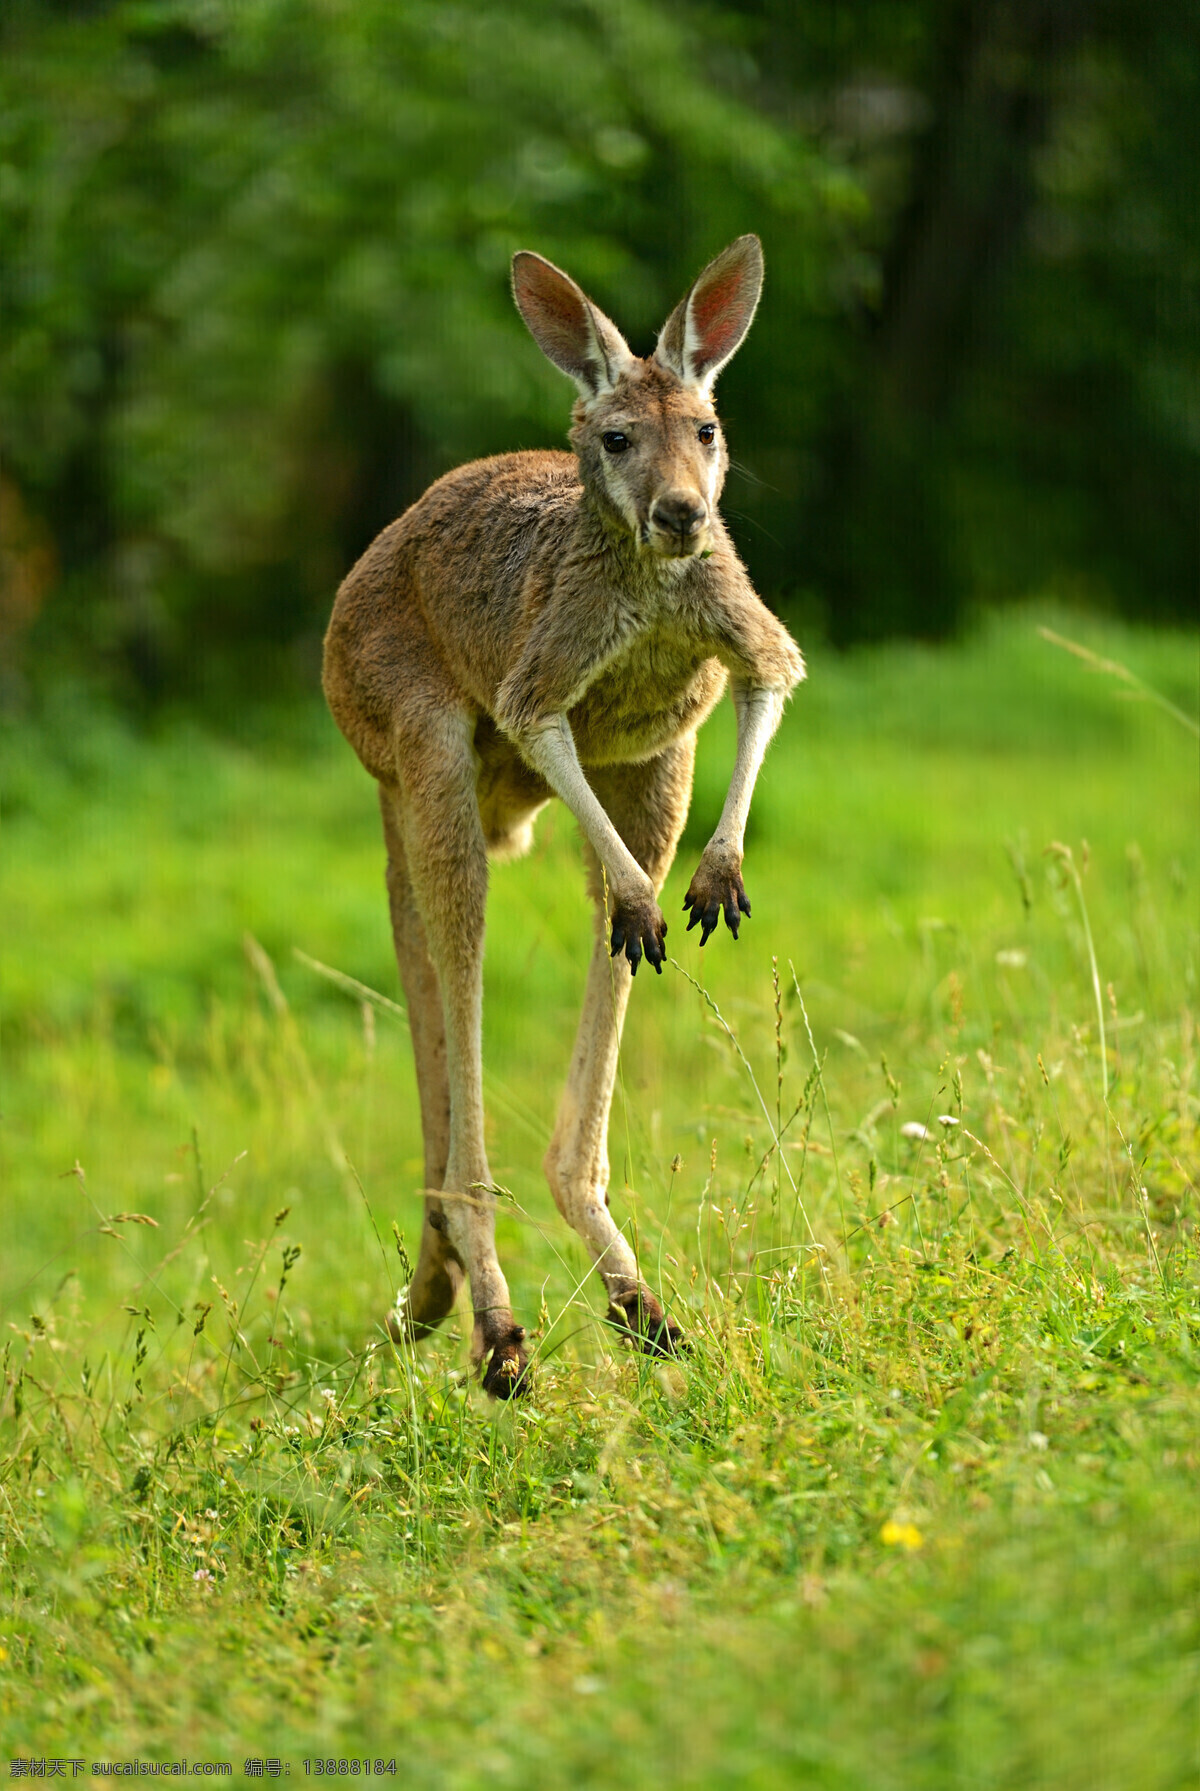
(614, 441)
(707, 433)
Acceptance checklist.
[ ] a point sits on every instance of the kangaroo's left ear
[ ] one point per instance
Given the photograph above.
(706, 329)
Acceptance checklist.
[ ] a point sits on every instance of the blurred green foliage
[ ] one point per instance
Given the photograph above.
(254, 293)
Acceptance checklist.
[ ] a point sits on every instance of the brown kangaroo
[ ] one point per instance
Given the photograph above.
(550, 624)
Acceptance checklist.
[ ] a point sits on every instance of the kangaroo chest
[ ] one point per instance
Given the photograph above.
(660, 687)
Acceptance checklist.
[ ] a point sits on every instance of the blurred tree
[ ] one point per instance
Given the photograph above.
(255, 273)
(992, 96)
(253, 292)
(1015, 400)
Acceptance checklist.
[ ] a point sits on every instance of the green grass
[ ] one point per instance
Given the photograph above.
(919, 1509)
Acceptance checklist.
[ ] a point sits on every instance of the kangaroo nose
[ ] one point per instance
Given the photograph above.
(679, 512)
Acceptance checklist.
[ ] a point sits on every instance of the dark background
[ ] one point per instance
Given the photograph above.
(253, 297)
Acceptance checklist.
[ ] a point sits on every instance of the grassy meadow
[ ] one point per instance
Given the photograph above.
(915, 1161)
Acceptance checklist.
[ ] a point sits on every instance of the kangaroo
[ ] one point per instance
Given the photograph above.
(548, 624)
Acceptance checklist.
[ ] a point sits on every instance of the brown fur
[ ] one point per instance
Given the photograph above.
(549, 623)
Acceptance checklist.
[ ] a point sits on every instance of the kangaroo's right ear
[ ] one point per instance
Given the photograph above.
(567, 327)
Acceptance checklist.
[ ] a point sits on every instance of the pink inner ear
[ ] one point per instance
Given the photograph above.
(718, 318)
(555, 315)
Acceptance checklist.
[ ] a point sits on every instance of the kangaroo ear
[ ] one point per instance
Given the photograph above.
(567, 327)
(707, 327)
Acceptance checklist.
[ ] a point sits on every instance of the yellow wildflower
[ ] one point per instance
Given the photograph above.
(898, 1535)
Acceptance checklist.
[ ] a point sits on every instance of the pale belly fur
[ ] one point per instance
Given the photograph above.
(649, 698)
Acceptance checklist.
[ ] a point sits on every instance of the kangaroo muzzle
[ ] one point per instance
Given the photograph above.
(678, 523)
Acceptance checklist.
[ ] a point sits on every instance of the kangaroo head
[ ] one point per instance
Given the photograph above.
(646, 431)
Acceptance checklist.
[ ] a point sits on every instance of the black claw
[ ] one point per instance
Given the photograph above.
(506, 1374)
(503, 1382)
(646, 1325)
(708, 919)
(666, 1340)
(618, 940)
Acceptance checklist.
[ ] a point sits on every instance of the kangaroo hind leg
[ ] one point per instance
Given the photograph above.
(438, 828)
(439, 1272)
(647, 805)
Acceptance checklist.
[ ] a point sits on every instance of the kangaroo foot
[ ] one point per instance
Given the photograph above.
(502, 1361)
(641, 1317)
(430, 1296)
(410, 1321)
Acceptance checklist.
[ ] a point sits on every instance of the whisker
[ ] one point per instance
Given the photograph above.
(754, 523)
(744, 472)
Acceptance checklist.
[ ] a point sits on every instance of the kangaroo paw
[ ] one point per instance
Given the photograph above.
(641, 1317)
(713, 891)
(639, 930)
